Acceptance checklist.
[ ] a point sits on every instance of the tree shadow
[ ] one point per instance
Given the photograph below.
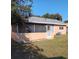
(59, 57)
(24, 49)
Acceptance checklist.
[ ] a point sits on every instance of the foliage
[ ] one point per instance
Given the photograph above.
(66, 21)
(25, 51)
(13, 5)
(19, 10)
(53, 16)
(56, 16)
(46, 15)
(16, 18)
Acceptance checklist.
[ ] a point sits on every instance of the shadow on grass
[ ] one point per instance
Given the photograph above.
(60, 57)
(20, 50)
(25, 50)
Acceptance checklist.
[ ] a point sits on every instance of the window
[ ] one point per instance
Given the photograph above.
(40, 28)
(28, 28)
(61, 27)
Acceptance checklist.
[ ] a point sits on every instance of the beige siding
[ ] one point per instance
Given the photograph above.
(56, 30)
(64, 30)
(36, 36)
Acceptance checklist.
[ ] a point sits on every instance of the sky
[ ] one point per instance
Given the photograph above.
(40, 7)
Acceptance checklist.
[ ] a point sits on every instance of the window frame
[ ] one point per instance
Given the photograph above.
(61, 27)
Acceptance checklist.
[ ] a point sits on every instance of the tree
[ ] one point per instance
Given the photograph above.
(13, 5)
(24, 7)
(66, 21)
(53, 16)
(58, 17)
(16, 18)
(20, 9)
(46, 15)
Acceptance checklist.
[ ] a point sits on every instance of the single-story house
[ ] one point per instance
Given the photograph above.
(66, 27)
(38, 28)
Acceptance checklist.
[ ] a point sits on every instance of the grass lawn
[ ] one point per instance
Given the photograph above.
(54, 47)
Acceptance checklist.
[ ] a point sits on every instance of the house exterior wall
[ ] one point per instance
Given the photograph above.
(43, 35)
(56, 30)
(64, 30)
(49, 31)
(36, 36)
